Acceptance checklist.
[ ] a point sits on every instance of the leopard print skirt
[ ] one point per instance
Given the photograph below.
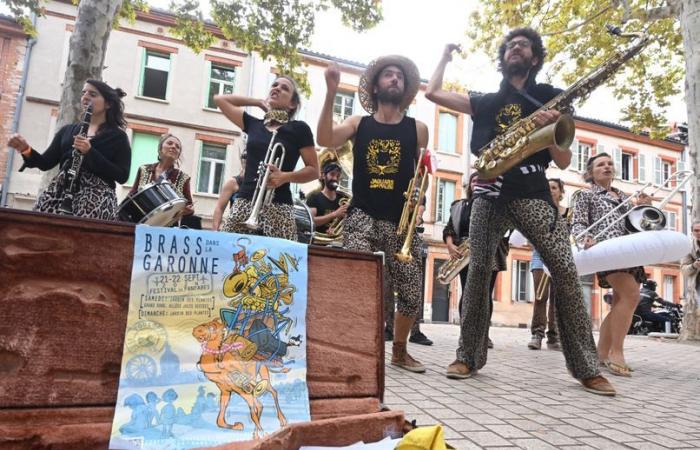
(539, 223)
(276, 220)
(95, 199)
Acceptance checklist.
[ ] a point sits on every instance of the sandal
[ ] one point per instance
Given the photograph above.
(621, 370)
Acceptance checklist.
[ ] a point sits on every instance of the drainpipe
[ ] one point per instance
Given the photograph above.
(15, 119)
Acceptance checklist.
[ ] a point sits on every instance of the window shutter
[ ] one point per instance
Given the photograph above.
(514, 280)
(642, 175)
(617, 160)
(574, 155)
(600, 148)
(658, 174)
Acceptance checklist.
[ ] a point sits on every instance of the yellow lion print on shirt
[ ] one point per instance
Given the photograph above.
(507, 116)
(383, 156)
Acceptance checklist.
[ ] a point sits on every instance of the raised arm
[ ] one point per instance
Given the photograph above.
(327, 133)
(436, 94)
(232, 106)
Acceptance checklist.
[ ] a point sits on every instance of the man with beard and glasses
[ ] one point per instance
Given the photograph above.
(520, 198)
(325, 204)
(386, 148)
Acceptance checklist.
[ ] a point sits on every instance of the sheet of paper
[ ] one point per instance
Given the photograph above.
(385, 444)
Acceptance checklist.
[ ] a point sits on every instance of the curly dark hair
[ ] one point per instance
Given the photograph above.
(114, 117)
(538, 50)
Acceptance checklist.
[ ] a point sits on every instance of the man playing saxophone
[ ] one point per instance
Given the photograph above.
(328, 206)
(519, 198)
(386, 150)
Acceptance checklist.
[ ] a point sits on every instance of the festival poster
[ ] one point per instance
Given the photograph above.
(215, 344)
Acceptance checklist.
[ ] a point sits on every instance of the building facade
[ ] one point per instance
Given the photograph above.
(13, 47)
(171, 89)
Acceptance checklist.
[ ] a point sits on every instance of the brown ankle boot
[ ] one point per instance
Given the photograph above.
(401, 358)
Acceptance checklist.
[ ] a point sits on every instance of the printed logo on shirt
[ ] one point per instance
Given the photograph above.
(507, 116)
(383, 156)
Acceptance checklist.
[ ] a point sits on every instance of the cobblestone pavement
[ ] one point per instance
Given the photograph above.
(526, 399)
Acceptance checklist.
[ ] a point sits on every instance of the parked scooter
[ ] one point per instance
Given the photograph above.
(673, 315)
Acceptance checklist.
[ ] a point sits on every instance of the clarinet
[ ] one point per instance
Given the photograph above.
(73, 171)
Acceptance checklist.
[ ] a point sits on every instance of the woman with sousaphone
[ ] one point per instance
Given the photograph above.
(598, 216)
(264, 203)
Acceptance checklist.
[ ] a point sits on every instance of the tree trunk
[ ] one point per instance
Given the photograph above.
(690, 28)
(86, 55)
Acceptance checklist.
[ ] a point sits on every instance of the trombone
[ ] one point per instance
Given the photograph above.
(642, 217)
(263, 195)
(638, 218)
(409, 214)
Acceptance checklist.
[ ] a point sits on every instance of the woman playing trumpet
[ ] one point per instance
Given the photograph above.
(280, 105)
(591, 205)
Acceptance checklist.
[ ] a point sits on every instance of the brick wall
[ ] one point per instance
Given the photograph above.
(13, 44)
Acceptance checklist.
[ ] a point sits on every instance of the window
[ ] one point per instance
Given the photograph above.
(447, 132)
(445, 197)
(144, 150)
(662, 171)
(669, 294)
(521, 284)
(671, 218)
(212, 163)
(627, 167)
(579, 157)
(343, 106)
(154, 78)
(222, 80)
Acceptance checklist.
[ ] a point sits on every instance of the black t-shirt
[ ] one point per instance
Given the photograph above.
(323, 206)
(492, 115)
(109, 157)
(384, 157)
(294, 135)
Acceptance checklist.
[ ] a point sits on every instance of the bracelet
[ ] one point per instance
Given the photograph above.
(27, 150)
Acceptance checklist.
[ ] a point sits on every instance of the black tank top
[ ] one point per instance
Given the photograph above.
(384, 159)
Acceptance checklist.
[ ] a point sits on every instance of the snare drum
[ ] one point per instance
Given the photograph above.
(156, 204)
(304, 221)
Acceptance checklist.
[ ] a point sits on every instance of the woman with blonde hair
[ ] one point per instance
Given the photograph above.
(591, 205)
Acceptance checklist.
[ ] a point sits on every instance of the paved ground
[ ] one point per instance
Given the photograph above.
(526, 399)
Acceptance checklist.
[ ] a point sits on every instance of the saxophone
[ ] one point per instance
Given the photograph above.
(454, 266)
(525, 138)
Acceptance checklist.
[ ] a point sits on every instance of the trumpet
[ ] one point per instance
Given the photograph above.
(454, 266)
(409, 214)
(263, 195)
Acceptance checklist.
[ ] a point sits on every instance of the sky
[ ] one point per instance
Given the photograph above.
(419, 29)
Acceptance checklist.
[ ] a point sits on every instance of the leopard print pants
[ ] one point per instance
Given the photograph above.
(95, 199)
(276, 220)
(535, 220)
(364, 233)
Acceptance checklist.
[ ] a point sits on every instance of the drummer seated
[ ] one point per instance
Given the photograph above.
(166, 169)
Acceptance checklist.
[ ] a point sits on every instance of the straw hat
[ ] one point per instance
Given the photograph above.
(411, 78)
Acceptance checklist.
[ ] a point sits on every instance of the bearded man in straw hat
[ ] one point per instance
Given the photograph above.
(386, 148)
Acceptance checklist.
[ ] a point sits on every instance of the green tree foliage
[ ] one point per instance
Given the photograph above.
(576, 41)
(272, 28)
